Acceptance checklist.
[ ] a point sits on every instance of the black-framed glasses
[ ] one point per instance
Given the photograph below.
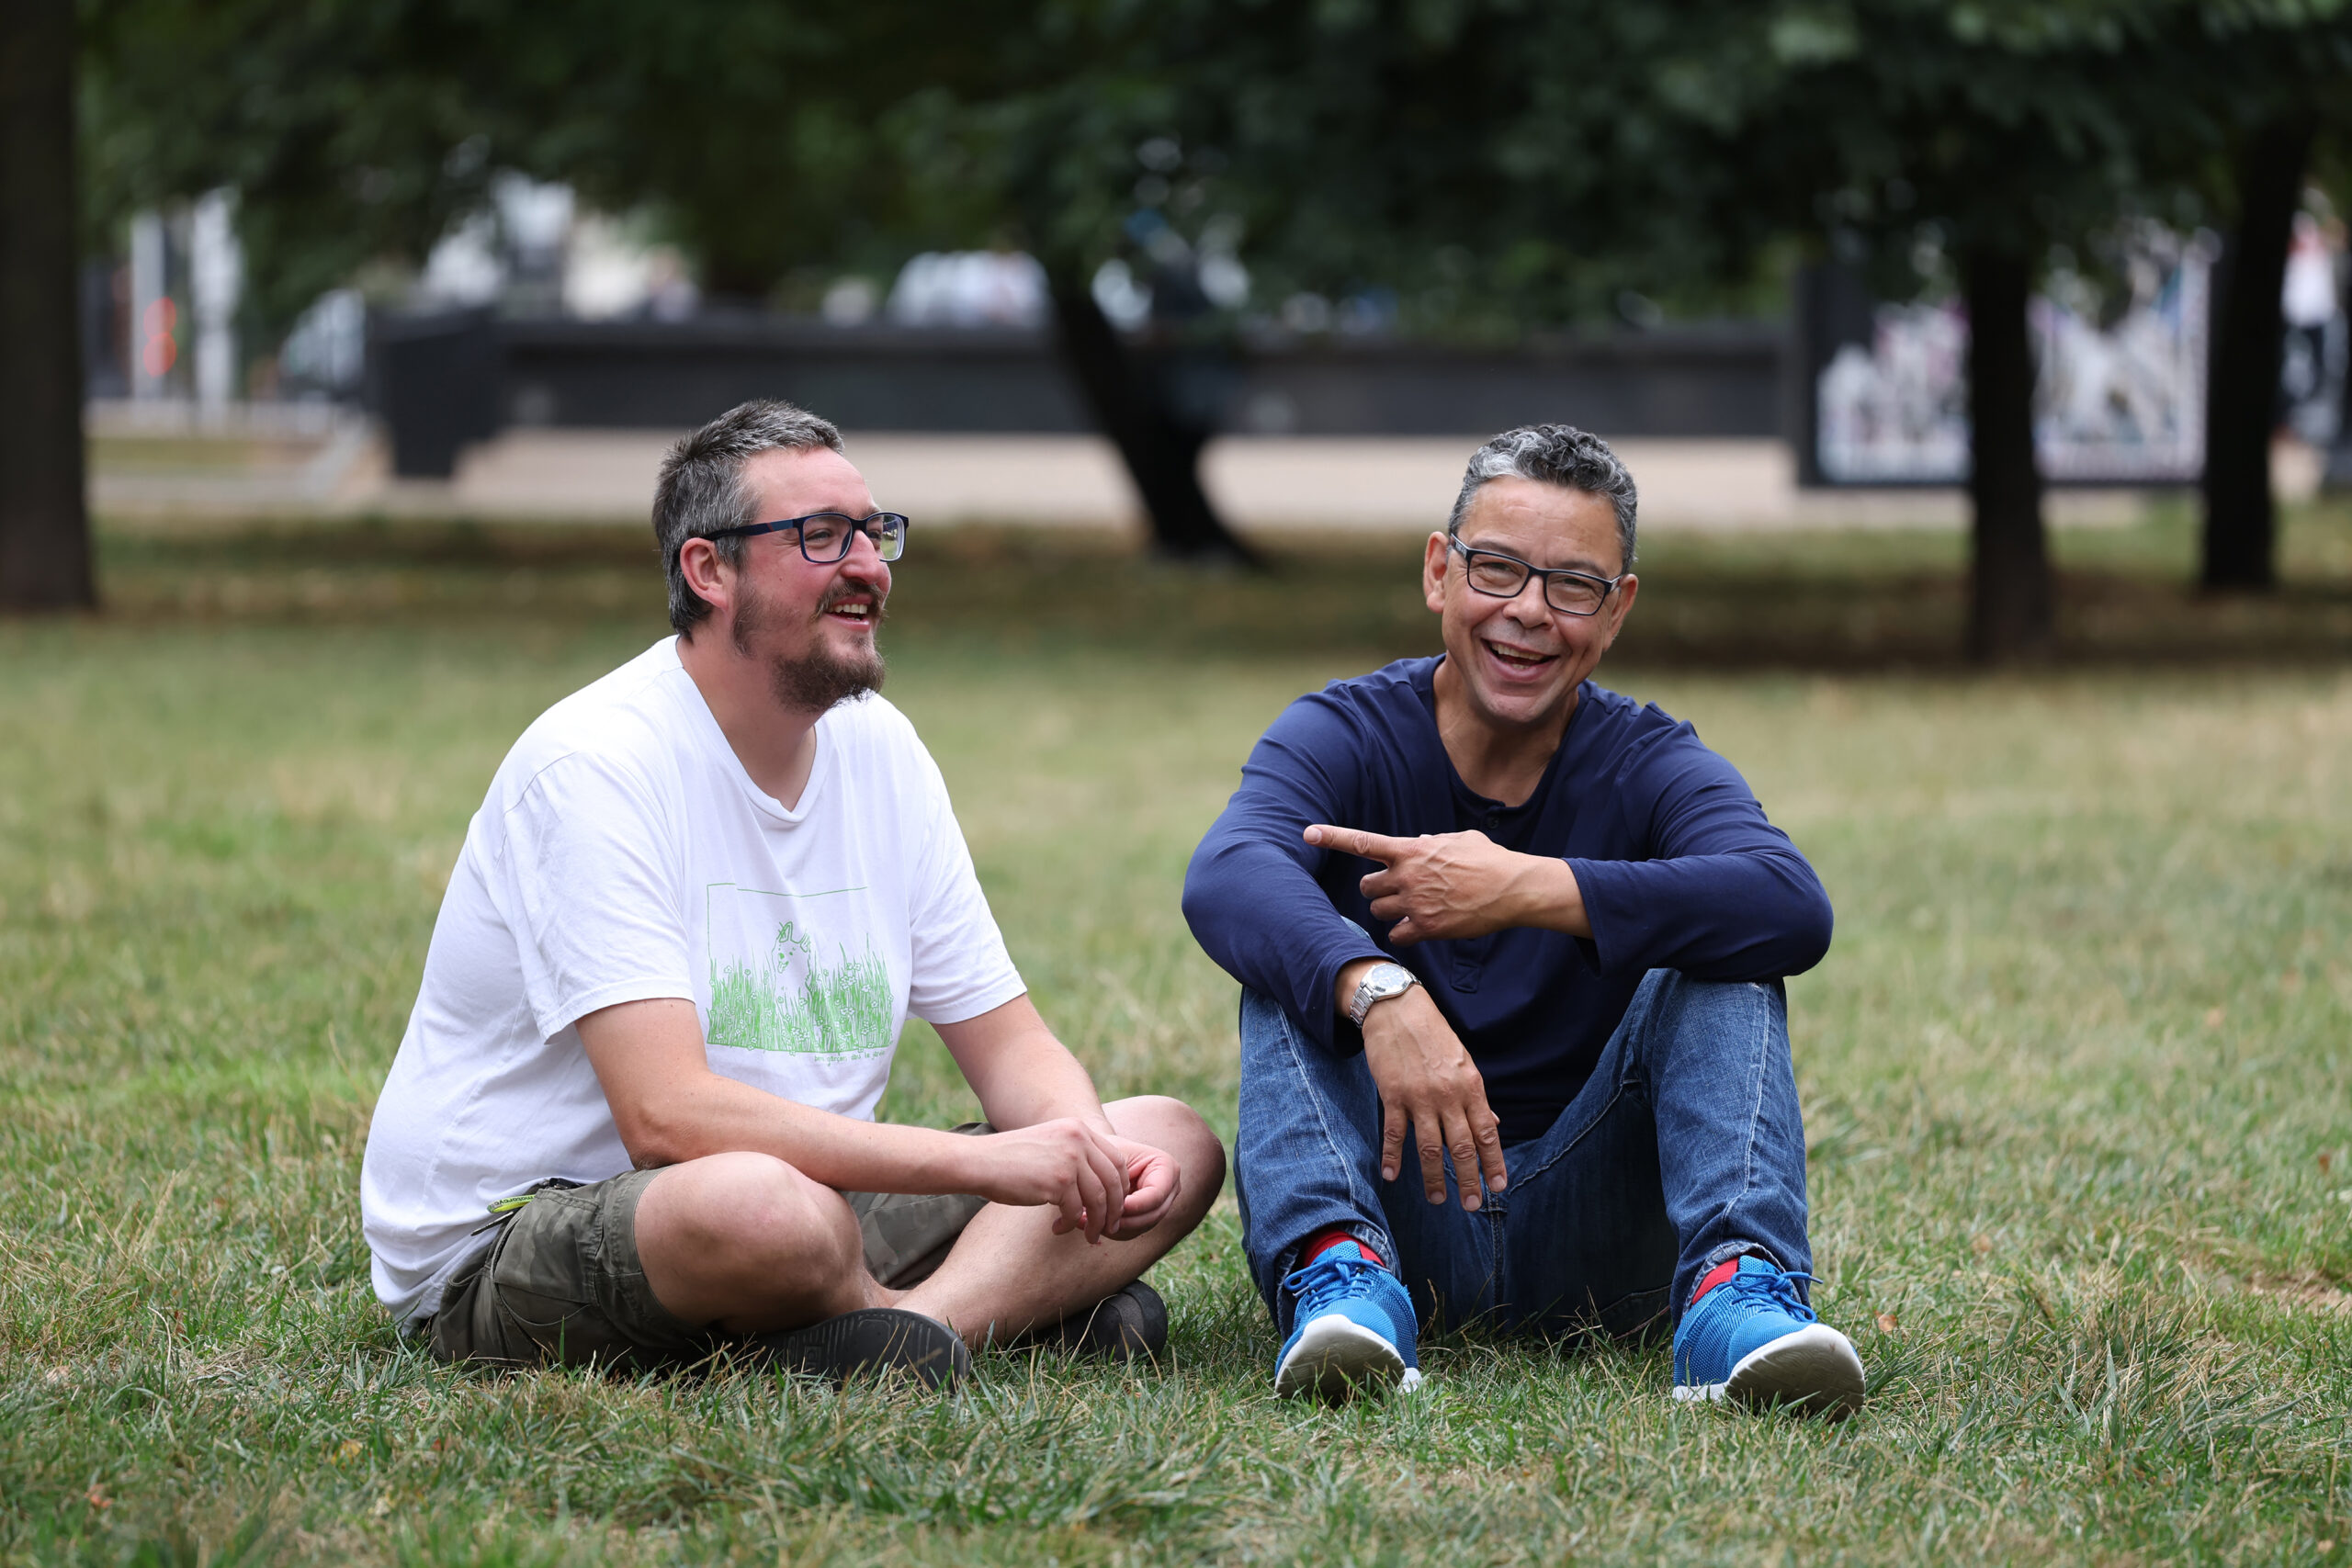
(1499, 576)
(827, 536)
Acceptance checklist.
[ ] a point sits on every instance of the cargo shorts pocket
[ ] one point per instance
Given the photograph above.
(542, 1279)
(562, 1283)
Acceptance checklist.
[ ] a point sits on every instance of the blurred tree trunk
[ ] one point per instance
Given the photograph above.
(44, 530)
(2011, 614)
(1161, 450)
(2241, 387)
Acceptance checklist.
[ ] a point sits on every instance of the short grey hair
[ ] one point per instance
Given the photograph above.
(1554, 455)
(701, 489)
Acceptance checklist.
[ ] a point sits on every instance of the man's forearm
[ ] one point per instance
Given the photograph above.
(713, 1114)
(668, 1108)
(1546, 894)
(1029, 1077)
(1021, 1073)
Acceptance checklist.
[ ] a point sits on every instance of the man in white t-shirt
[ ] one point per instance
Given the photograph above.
(631, 1121)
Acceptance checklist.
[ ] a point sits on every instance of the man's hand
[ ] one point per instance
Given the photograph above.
(1154, 1180)
(1459, 885)
(1425, 1077)
(1031, 1086)
(1070, 1165)
(1107, 1187)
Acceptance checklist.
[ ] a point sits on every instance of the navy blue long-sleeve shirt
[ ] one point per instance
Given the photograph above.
(1679, 867)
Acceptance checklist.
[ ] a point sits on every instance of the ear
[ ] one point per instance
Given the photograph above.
(1621, 603)
(1435, 558)
(712, 578)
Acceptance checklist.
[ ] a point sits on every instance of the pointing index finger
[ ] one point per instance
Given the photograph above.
(1353, 842)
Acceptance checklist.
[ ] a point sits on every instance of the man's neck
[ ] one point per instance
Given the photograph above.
(777, 745)
(1501, 762)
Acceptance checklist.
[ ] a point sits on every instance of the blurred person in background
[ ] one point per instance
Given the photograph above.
(2313, 357)
(632, 1119)
(1544, 928)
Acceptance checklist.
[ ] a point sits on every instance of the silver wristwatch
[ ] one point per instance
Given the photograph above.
(1380, 982)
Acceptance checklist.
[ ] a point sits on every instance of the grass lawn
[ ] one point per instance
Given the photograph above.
(2077, 1074)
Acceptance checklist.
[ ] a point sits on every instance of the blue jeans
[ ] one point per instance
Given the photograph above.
(1684, 1148)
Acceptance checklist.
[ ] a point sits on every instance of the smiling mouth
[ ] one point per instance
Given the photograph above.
(1518, 658)
(859, 610)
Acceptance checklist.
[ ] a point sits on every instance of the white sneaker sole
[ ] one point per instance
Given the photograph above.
(1813, 1371)
(1335, 1357)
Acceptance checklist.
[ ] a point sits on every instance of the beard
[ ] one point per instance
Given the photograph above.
(818, 680)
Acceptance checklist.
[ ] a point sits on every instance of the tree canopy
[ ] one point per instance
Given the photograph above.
(1488, 164)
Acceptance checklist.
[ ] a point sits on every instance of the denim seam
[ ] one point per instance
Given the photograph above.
(1366, 1203)
(1581, 1134)
(1500, 1286)
(1760, 1050)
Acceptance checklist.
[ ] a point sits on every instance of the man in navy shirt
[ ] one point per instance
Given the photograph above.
(1544, 928)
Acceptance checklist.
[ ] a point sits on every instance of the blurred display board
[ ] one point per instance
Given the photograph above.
(2120, 392)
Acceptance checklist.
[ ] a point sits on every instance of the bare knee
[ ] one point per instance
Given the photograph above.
(1171, 1124)
(750, 1218)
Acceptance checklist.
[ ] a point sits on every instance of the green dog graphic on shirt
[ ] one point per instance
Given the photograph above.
(782, 998)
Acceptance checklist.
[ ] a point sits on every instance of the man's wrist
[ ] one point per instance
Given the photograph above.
(1546, 894)
(957, 1161)
(1344, 983)
(1380, 981)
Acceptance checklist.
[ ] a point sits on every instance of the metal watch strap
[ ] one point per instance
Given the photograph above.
(1359, 1004)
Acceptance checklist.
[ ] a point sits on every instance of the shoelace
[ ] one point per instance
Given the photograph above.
(1327, 1280)
(1772, 1292)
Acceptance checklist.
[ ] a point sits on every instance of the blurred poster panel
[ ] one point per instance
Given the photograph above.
(2120, 398)
(1894, 411)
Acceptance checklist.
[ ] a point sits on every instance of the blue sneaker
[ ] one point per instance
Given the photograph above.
(1353, 1329)
(1748, 1336)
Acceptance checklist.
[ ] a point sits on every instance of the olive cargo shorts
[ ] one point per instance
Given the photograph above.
(561, 1283)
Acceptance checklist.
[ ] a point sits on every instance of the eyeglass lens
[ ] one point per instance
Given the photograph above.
(827, 536)
(1502, 576)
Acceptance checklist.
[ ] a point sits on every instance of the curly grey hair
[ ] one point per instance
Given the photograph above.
(701, 489)
(1554, 455)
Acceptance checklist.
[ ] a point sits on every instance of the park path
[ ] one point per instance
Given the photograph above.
(1406, 483)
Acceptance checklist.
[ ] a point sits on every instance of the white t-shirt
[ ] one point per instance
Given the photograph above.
(624, 853)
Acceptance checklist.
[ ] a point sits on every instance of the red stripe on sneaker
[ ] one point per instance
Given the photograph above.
(1720, 1274)
(1323, 1241)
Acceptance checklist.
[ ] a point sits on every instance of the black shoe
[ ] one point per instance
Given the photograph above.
(1128, 1325)
(868, 1341)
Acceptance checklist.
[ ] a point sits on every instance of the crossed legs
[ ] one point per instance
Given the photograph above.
(746, 1243)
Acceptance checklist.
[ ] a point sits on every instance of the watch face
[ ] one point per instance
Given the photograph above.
(1388, 980)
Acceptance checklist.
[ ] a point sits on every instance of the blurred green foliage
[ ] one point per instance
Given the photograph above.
(1489, 162)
